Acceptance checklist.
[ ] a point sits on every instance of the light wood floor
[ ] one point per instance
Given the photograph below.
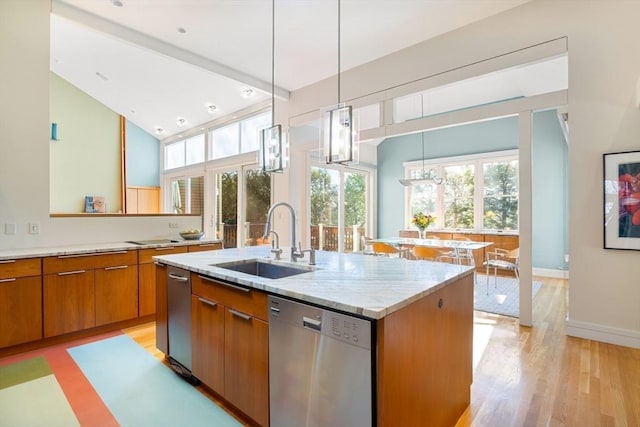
(536, 376)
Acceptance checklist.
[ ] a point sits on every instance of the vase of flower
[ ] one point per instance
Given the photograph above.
(422, 221)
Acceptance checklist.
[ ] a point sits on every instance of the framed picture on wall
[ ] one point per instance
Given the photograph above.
(622, 200)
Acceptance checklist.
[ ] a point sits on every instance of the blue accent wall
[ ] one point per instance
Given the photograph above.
(143, 157)
(550, 230)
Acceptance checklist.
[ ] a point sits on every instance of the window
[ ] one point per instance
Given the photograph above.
(479, 192)
(338, 201)
(187, 195)
(184, 152)
(238, 137)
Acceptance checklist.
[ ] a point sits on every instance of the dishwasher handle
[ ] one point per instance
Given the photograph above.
(310, 323)
(178, 278)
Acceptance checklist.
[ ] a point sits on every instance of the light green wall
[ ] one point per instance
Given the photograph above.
(86, 158)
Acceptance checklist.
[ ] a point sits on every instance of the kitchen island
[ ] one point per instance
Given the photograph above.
(421, 312)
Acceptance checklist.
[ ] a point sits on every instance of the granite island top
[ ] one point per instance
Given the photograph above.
(88, 248)
(365, 285)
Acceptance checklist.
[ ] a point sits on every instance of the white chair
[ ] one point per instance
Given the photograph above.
(502, 259)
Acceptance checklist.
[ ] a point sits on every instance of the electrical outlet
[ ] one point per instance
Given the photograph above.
(34, 228)
(173, 225)
(10, 228)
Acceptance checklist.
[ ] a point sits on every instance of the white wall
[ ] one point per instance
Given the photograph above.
(604, 65)
(24, 144)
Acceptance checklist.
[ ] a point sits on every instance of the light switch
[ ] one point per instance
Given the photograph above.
(34, 228)
(10, 228)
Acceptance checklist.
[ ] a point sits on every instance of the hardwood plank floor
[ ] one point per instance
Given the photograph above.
(534, 376)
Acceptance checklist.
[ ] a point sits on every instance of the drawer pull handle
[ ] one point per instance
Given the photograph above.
(66, 273)
(7, 261)
(117, 267)
(208, 245)
(158, 263)
(178, 278)
(240, 315)
(8, 280)
(92, 254)
(166, 248)
(207, 302)
(228, 285)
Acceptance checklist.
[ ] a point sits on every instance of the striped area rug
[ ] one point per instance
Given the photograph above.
(100, 382)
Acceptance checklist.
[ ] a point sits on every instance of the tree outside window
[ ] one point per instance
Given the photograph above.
(501, 195)
(458, 196)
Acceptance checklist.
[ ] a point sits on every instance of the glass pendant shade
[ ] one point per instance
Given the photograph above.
(273, 151)
(338, 136)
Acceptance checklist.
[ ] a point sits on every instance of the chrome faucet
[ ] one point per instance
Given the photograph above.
(295, 253)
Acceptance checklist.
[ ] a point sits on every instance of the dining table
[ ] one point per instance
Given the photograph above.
(457, 247)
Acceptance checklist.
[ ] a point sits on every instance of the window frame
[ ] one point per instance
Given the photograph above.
(478, 160)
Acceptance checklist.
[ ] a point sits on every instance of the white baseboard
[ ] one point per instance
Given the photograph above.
(607, 334)
(550, 272)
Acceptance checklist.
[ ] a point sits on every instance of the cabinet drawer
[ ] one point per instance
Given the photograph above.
(205, 247)
(90, 261)
(14, 268)
(246, 300)
(145, 255)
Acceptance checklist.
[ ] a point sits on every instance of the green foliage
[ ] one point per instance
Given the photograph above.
(501, 196)
(354, 200)
(258, 195)
(229, 197)
(324, 198)
(459, 190)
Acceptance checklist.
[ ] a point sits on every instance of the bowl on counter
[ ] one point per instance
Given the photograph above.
(191, 236)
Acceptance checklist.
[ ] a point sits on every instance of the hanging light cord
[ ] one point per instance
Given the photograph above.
(273, 67)
(338, 52)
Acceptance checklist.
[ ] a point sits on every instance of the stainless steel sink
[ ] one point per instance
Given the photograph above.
(264, 269)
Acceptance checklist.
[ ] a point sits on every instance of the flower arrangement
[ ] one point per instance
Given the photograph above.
(422, 220)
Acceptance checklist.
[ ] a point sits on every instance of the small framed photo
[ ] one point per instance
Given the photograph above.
(94, 204)
(622, 200)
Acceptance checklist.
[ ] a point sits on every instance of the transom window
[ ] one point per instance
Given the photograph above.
(238, 137)
(478, 192)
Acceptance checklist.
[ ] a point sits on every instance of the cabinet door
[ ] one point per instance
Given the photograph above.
(116, 290)
(162, 331)
(246, 382)
(21, 313)
(146, 289)
(68, 302)
(205, 247)
(207, 354)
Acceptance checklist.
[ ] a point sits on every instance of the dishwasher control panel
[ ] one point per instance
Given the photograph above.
(338, 326)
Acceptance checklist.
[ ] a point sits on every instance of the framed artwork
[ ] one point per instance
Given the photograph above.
(94, 204)
(622, 200)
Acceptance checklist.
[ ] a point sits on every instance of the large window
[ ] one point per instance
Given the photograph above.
(338, 200)
(479, 192)
(238, 137)
(185, 152)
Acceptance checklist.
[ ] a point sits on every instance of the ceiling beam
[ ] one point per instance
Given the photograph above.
(131, 36)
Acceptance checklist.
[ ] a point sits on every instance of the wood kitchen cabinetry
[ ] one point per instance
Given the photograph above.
(20, 301)
(432, 387)
(205, 247)
(147, 276)
(230, 342)
(87, 290)
(143, 200)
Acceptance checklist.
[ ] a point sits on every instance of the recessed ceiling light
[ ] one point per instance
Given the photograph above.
(181, 30)
(211, 108)
(181, 121)
(247, 93)
(159, 130)
(117, 3)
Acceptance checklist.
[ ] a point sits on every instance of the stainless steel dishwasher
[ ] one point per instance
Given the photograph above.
(179, 321)
(320, 367)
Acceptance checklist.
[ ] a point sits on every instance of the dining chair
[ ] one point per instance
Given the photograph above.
(385, 249)
(426, 253)
(465, 255)
(365, 245)
(502, 259)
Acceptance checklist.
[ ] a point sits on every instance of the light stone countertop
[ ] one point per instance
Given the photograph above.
(90, 248)
(365, 285)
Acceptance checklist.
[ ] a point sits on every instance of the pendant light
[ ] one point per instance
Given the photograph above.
(339, 145)
(272, 151)
(425, 176)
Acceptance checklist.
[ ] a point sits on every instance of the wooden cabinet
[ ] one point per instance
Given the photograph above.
(425, 359)
(86, 290)
(207, 355)
(230, 344)
(147, 277)
(143, 200)
(212, 246)
(20, 301)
